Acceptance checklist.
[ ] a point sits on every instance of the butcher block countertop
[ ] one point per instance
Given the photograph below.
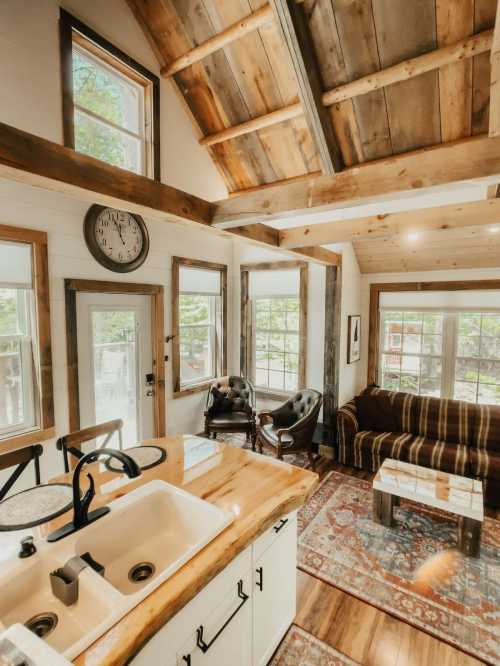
(256, 488)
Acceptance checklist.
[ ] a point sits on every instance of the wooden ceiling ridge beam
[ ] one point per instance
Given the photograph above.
(248, 24)
(440, 218)
(472, 159)
(494, 128)
(293, 26)
(38, 162)
(403, 71)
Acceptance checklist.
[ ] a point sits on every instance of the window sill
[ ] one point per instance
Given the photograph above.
(13, 442)
(195, 388)
(272, 395)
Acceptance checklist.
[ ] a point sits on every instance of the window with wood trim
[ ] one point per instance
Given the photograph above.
(274, 322)
(26, 393)
(199, 313)
(110, 102)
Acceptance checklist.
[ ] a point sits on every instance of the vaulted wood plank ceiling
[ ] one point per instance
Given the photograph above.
(252, 76)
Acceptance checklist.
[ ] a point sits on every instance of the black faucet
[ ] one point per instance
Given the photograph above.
(81, 515)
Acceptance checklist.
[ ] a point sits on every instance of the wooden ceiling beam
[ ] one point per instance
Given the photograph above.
(35, 161)
(293, 26)
(403, 71)
(476, 158)
(476, 213)
(235, 31)
(494, 129)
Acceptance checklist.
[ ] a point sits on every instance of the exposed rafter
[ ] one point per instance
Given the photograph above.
(390, 178)
(495, 79)
(403, 71)
(293, 26)
(476, 213)
(252, 22)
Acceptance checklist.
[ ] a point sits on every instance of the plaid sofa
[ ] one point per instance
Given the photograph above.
(449, 435)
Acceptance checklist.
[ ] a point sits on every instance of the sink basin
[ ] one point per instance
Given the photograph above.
(148, 535)
(26, 597)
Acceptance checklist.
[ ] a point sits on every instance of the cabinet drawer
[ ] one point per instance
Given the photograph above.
(267, 539)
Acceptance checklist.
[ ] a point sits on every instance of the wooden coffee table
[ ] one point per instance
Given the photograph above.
(449, 492)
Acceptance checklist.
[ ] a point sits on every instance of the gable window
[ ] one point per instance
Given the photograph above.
(444, 349)
(199, 321)
(110, 102)
(25, 360)
(274, 307)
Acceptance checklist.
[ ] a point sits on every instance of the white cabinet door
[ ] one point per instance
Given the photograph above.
(274, 592)
(225, 637)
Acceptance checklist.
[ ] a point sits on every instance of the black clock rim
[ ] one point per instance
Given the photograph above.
(89, 226)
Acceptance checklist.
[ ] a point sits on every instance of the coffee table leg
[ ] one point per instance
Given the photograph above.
(469, 536)
(382, 508)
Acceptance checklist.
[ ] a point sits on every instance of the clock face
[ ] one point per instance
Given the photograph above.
(118, 235)
(117, 239)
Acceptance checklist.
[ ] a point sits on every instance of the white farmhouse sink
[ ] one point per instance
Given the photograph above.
(157, 526)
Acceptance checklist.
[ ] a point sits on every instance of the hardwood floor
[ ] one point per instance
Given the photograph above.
(362, 632)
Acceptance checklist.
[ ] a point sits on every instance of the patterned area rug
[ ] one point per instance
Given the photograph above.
(340, 543)
(299, 648)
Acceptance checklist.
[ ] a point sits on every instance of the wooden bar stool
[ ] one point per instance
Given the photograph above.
(72, 443)
(20, 458)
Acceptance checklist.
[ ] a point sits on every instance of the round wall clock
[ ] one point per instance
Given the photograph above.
(118, 240)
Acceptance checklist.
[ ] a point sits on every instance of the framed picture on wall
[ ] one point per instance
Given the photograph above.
(353, 338)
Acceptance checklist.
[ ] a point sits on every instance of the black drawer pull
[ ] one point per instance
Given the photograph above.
(204, 647)
(260, 581)
(282, 524)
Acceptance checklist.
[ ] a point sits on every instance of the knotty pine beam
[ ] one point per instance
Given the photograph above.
(293, 26)
(494, 129)
(476, 213)
(476, 158)
(248, 24)
(408, 69)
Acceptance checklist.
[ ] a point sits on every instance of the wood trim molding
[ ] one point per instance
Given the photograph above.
(69, 25)
(40, 275)
(177, 262)
(156, 292)
(374, 319)
(494, 127)
(246, 331)
(333, 321)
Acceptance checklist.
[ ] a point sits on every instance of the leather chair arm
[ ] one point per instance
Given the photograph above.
(265, 416)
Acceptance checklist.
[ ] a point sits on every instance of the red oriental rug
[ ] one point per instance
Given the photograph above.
(340, 544)
(299, 648)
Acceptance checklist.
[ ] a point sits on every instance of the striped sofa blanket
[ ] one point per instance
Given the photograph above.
(449, 435)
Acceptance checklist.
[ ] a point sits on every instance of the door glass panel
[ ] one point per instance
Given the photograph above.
(115, 370)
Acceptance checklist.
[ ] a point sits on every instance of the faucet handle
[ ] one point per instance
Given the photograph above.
(28, 548)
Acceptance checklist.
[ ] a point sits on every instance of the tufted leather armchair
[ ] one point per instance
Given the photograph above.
(236, 411)
(290, 428)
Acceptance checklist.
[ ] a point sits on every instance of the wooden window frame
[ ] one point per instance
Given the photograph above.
(71, 288)
(177, 263)
(71, 29)
(40, 273)
(246, 332)
(374, 323)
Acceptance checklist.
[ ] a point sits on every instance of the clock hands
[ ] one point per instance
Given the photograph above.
(119, 228)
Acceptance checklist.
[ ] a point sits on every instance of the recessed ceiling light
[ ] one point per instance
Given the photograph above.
(494, 230)
(413, 236)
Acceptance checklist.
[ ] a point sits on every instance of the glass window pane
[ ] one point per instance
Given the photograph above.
(106, 94)
(465, 391)
(115, 369)
(430, 386)
(490, 324)
(292, 321)
(431, 344)
(261, 378)
(390, 381)
(411, 343)
(430, 367)
(466, 369)
(261, 359)
(489, 372)
(291, 363)
(409, 383)
(410, 364)
(276, 361)
(412, 322)
(263, 318)
(489, 395)
(292, 343)
(278, 319)
(276, 380)
(263, 304)
(490, 347)
(277, 342)
(469, 324)
(11, 382)
(107, 144)
(391, 362)
(262, 341)
(11, 315)
(194, 309)
(195, 354)
(291, 382)
(468, 346)
(433, 323)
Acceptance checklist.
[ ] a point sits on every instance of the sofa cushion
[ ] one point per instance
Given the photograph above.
(487, 428)
(448, 420)
(485, 464)
(375, 412)
(372, 448)
(404, 407)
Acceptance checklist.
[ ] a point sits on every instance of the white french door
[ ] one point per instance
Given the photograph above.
(114, 359)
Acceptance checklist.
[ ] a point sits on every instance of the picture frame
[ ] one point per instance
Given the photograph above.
(353, 338)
